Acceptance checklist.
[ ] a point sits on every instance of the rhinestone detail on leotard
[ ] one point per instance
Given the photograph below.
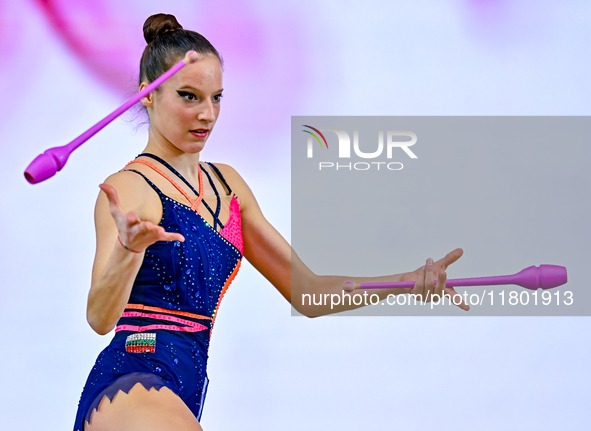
(176, 296)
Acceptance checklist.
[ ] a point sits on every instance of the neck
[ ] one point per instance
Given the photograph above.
(186, 163)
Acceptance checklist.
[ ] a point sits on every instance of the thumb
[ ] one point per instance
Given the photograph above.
(450, 258)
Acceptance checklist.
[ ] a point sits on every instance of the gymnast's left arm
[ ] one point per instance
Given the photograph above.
(273, 257)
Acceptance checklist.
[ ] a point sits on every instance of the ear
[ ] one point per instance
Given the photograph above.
(148, 101)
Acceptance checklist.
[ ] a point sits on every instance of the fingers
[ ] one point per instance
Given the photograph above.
(456, 298)
(440, 288)
(113, 199)
(433, 291)
(427, 291)
(424, 285)
(171, 236)
(429, 286)
(133, 232)
(450, 258)
(133, 218)
(163, 235)
(419, 287)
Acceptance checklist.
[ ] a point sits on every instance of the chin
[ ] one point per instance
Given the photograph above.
(193, 149)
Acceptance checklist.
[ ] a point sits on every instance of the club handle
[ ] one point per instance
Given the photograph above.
(46, 165)
(544, 276)
(128, 104)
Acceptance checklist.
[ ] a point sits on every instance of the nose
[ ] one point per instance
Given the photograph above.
(207, 113)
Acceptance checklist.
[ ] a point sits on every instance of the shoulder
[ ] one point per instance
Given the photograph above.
(135, 194)
(232, 177)
(227, 171)
(237, 183)
(128, 184)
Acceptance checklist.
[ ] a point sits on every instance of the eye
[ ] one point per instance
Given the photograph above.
(218, 97)
(186, 93)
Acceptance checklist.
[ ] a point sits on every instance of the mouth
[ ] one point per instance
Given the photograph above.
(199, 133)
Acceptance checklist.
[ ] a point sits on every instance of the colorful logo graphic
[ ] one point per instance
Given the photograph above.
(317, 131)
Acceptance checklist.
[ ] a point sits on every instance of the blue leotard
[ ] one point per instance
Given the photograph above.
(162, 338)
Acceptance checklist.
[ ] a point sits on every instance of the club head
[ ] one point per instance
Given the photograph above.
(544, 276)
(47, 164)
(551, 276)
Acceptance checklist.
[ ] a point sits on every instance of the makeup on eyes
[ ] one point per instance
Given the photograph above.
(186, 93)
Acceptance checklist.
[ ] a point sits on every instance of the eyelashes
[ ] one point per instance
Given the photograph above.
(184, 94)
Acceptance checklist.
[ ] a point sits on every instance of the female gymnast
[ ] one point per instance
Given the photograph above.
(171, 233)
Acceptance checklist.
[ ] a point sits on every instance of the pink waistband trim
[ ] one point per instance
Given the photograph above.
(191, 326)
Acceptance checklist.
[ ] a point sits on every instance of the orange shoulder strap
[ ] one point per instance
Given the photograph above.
(194, 203)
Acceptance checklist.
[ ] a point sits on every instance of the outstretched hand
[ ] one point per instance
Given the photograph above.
(425, 275)
(133, 232)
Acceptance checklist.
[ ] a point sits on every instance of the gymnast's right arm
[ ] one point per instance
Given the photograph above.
(115, 268)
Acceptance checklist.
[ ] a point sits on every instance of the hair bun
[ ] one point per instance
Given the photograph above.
(159, 24)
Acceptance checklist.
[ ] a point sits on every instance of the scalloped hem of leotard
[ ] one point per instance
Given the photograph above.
(124, 384)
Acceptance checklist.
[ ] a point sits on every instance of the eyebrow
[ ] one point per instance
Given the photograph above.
(194, 89)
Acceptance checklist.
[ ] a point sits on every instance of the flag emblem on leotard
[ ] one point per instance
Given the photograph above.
(141, 343)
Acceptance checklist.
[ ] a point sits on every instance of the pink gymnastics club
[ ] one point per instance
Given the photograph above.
(52, 160)
(544, 276)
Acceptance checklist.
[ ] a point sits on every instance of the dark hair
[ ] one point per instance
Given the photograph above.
(168, 43)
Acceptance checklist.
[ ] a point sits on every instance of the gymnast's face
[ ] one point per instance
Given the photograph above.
(185, 109)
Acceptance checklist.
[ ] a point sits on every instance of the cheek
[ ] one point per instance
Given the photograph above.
(217, 112)
(180, 117)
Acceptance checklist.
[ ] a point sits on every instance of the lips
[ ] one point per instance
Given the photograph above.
(199, 133)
